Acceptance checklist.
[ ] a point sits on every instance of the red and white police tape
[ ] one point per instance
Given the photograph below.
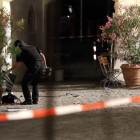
(63, 110)
(72, 37)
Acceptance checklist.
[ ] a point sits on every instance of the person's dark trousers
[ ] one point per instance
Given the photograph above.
(32, 76)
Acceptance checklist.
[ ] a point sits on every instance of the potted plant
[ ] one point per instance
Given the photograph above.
(123, 30)
(8, 25)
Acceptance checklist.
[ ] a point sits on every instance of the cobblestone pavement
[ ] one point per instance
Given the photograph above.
(117, 123)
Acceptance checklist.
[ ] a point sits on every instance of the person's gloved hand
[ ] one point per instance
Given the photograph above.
(44, 69)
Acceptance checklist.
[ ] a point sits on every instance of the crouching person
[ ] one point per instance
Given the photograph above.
(35, 61)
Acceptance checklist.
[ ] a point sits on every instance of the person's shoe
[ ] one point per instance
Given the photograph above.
(26, 103)
(35, 102)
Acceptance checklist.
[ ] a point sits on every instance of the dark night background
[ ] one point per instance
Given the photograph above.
(80, 62)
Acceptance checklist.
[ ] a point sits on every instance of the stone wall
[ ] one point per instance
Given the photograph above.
(33, 13)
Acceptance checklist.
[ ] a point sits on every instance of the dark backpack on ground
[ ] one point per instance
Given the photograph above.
(10, 98)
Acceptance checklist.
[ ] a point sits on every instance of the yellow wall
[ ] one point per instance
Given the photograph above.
(138, 2)
(127, 2)
(6, 4)
(1, 3)
(4, 1)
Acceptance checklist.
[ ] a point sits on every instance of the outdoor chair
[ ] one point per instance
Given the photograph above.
(110, 74)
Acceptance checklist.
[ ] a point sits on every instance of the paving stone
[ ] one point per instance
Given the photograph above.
(116, 123)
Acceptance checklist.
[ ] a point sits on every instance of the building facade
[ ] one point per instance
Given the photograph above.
(35, 14)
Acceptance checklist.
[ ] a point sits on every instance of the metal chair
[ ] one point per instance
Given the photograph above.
(110, 74)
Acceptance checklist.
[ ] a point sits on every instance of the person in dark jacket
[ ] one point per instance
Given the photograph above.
(35, 61)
